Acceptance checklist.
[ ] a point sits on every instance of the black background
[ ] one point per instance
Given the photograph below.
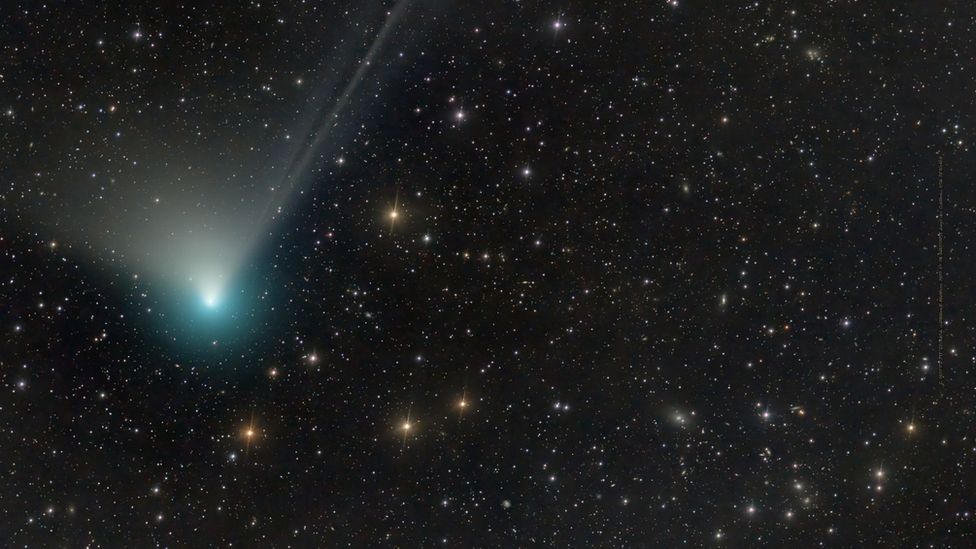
(784, 156)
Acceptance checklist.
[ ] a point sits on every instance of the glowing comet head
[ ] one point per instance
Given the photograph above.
(210, 300)
(209, 288)
(210, 296)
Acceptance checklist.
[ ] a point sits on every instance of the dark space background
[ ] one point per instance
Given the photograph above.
(680, 261)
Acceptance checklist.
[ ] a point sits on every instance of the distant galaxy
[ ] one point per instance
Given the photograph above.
(417, 273)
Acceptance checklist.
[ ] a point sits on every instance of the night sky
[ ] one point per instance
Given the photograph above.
(487, 274)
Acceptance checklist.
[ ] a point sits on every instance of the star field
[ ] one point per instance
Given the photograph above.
(500, 274)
